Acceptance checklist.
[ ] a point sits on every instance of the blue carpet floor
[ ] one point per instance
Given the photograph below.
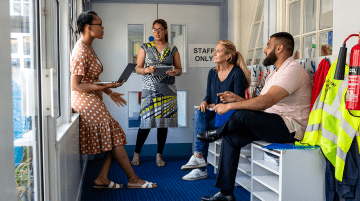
(168, 178)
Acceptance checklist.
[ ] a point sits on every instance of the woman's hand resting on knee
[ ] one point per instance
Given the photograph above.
(203, 106)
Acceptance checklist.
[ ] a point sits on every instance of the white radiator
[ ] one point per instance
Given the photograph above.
(68, 158)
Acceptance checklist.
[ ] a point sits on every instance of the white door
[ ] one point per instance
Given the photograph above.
(202, 27)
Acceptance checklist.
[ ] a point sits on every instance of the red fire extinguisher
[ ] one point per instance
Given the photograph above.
(353, 90)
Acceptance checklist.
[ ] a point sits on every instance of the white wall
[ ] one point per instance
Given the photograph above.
(7, 178)
(203, 27)
(247, 8)
(346, 22)
(231, 21)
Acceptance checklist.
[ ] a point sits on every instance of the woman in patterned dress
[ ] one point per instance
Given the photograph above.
(158, 97)
(99, 131)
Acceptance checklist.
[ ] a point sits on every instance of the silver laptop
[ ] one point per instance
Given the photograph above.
(124, 76)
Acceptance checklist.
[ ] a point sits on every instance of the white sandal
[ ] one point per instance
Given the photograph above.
(111, 186)
(144, 186)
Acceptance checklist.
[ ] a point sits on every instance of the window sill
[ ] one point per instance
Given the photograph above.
(64, 127)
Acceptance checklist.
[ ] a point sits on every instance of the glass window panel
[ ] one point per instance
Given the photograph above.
(24, 86)
(260, 40)
(181, 106)
(309, 16)
(15, 63)
(259, 53)
(249, 58)
(135, 40)
(27, 63)
(296, 53)
(326, 43)
(309, 46)
(26, 9)
(294, 20)
(16, 9)
(134, 109)
(178, 38)
(326, 14)
(259, 10)
(254, 35)
(26, 43)
(14, 46)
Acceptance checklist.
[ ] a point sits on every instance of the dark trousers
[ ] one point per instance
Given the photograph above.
(143, 134)
(349, 188)
(243, 127)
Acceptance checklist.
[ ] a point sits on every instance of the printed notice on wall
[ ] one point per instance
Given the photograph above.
(201, 55)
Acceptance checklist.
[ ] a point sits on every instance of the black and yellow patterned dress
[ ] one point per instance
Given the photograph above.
(158, 98)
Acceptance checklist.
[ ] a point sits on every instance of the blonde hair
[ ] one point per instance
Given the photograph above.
(236, 58)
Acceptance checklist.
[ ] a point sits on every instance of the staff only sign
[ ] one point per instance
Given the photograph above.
(201, 55)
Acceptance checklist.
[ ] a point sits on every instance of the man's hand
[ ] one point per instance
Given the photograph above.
(222, 108)
(227, 97)
(116, 97)
(203, 106)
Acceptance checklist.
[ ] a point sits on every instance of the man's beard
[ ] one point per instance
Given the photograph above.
(270, 59)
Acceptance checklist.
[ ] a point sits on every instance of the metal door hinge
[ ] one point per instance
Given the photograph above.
(44, 11)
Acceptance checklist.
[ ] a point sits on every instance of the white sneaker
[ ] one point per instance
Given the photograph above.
(195, 175)
(194, 163)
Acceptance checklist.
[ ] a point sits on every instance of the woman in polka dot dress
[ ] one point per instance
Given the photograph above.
(99, 131)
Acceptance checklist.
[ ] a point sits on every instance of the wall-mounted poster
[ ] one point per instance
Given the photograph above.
(201, 55)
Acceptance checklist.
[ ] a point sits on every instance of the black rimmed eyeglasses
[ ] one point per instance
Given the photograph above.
(160, 29)
(97, 24)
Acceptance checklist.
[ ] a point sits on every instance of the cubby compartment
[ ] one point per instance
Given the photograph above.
(263, 193)
(218, 148)
(243, 180)
(245, 152)
(212, 147)
(211, 159)
(266, 177)
(244, 166)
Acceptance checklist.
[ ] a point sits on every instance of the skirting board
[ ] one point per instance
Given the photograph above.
(171, 149)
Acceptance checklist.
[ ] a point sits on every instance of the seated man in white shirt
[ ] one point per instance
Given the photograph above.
(278, 115)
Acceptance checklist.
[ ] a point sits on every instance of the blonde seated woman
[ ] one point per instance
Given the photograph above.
(230, 74)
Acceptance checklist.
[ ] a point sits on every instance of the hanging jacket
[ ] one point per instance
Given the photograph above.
(330, 125)
(319, 79)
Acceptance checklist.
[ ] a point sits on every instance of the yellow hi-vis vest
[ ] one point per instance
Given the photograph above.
(330, 125)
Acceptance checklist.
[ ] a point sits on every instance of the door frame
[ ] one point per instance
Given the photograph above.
(223, 4)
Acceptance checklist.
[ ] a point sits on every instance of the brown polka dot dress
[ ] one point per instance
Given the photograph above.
(99, 131)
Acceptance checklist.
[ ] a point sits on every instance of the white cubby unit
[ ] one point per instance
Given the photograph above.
(300, 174)
(214, 154)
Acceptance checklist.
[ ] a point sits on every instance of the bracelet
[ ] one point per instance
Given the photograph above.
(144, 71)
(176, 71)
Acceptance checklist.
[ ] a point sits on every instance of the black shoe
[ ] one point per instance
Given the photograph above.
(220, 197)
(208, 136)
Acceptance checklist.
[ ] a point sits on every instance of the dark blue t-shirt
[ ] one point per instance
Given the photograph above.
(234, 82)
